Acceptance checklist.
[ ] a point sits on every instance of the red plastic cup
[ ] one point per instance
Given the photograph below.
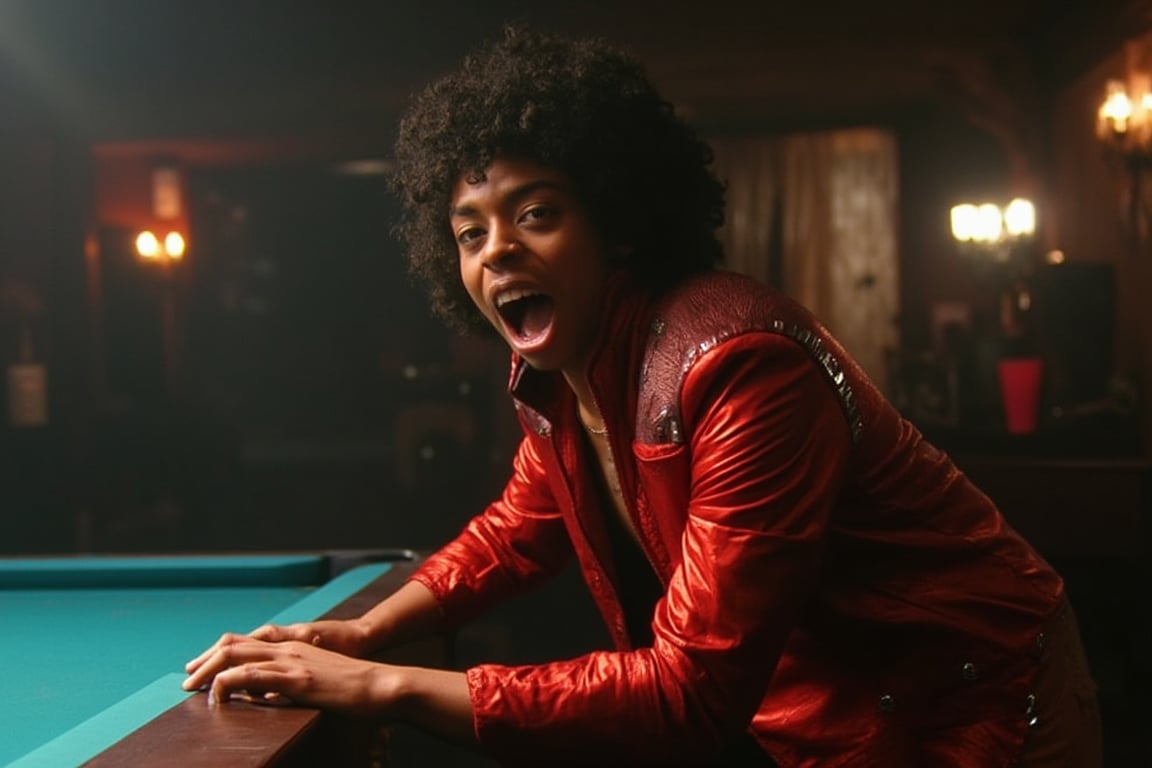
(1020, 389)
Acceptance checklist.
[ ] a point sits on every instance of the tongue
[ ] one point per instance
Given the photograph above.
(537, 317)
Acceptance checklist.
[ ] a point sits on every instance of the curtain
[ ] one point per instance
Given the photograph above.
(815, 214)
(750, 170)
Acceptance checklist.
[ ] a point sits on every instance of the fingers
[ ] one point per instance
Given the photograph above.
(259, 682)
(229, 651)
(274, 633)
(228, 638)
(264, 672)
(270, 633)
(292, 672)
(205, 666)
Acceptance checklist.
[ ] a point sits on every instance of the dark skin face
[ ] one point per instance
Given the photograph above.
(532, 262)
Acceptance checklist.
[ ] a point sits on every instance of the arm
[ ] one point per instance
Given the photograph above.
(432, 699)
(518, 542)
(409, 613)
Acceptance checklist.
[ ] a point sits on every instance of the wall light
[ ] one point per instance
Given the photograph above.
(1124, 118)
(149, 247)
(1124, 125)
(989, 230)
(166, 253)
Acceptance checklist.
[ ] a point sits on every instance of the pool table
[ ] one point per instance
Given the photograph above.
(93, 648)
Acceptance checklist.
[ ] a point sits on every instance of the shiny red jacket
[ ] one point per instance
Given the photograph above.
(834, 585)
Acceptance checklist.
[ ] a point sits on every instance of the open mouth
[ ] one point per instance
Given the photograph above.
(527, 314)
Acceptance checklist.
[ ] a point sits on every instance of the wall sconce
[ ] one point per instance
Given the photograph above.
(1124, 124)
(151, 249)
(1124, 119)
(166, 253)
(994, 232)
(1002, 238)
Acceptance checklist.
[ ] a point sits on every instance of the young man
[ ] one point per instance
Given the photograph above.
(788, 571)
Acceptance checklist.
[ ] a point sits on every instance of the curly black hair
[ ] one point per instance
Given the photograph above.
(582, 107)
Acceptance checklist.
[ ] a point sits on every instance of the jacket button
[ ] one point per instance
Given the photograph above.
(887, 703)
(968, 671)
(1040, 640)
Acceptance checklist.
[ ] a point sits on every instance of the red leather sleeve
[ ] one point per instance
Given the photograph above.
(768, 443)
(515, 543)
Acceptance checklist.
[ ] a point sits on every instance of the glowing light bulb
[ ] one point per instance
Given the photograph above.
(174, 245)
(147, 246)
(1020, 218)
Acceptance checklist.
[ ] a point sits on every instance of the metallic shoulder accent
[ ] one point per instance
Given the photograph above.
(832, 369)
(724, 307)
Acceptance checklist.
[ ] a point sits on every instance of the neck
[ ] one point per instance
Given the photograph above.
(586, 407)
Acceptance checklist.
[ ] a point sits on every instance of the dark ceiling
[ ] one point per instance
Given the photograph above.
(125, 70)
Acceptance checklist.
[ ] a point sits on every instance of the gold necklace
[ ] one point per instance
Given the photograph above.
(602, 432)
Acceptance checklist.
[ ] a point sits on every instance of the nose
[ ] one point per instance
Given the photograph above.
(503, 248)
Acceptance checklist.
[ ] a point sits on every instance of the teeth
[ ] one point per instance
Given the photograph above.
(513, 295)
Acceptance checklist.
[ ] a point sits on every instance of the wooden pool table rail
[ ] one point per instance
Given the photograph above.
(242, 735)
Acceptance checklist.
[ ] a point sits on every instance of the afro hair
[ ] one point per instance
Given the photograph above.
(581, 107)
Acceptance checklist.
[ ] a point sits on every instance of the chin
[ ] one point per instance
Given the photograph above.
(539, 361)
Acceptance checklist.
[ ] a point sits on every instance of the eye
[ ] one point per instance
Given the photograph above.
(469, 235)
(539, 214)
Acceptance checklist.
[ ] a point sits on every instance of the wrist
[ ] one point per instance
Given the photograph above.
(434, 700)
(365, 637)
(393, 692)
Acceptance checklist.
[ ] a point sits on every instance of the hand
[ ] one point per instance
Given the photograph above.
(346, 637)
(298, 671)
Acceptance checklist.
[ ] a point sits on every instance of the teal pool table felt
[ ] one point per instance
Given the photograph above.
(99, 644)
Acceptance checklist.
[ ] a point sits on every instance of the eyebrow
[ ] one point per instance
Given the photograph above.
(514, 196)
